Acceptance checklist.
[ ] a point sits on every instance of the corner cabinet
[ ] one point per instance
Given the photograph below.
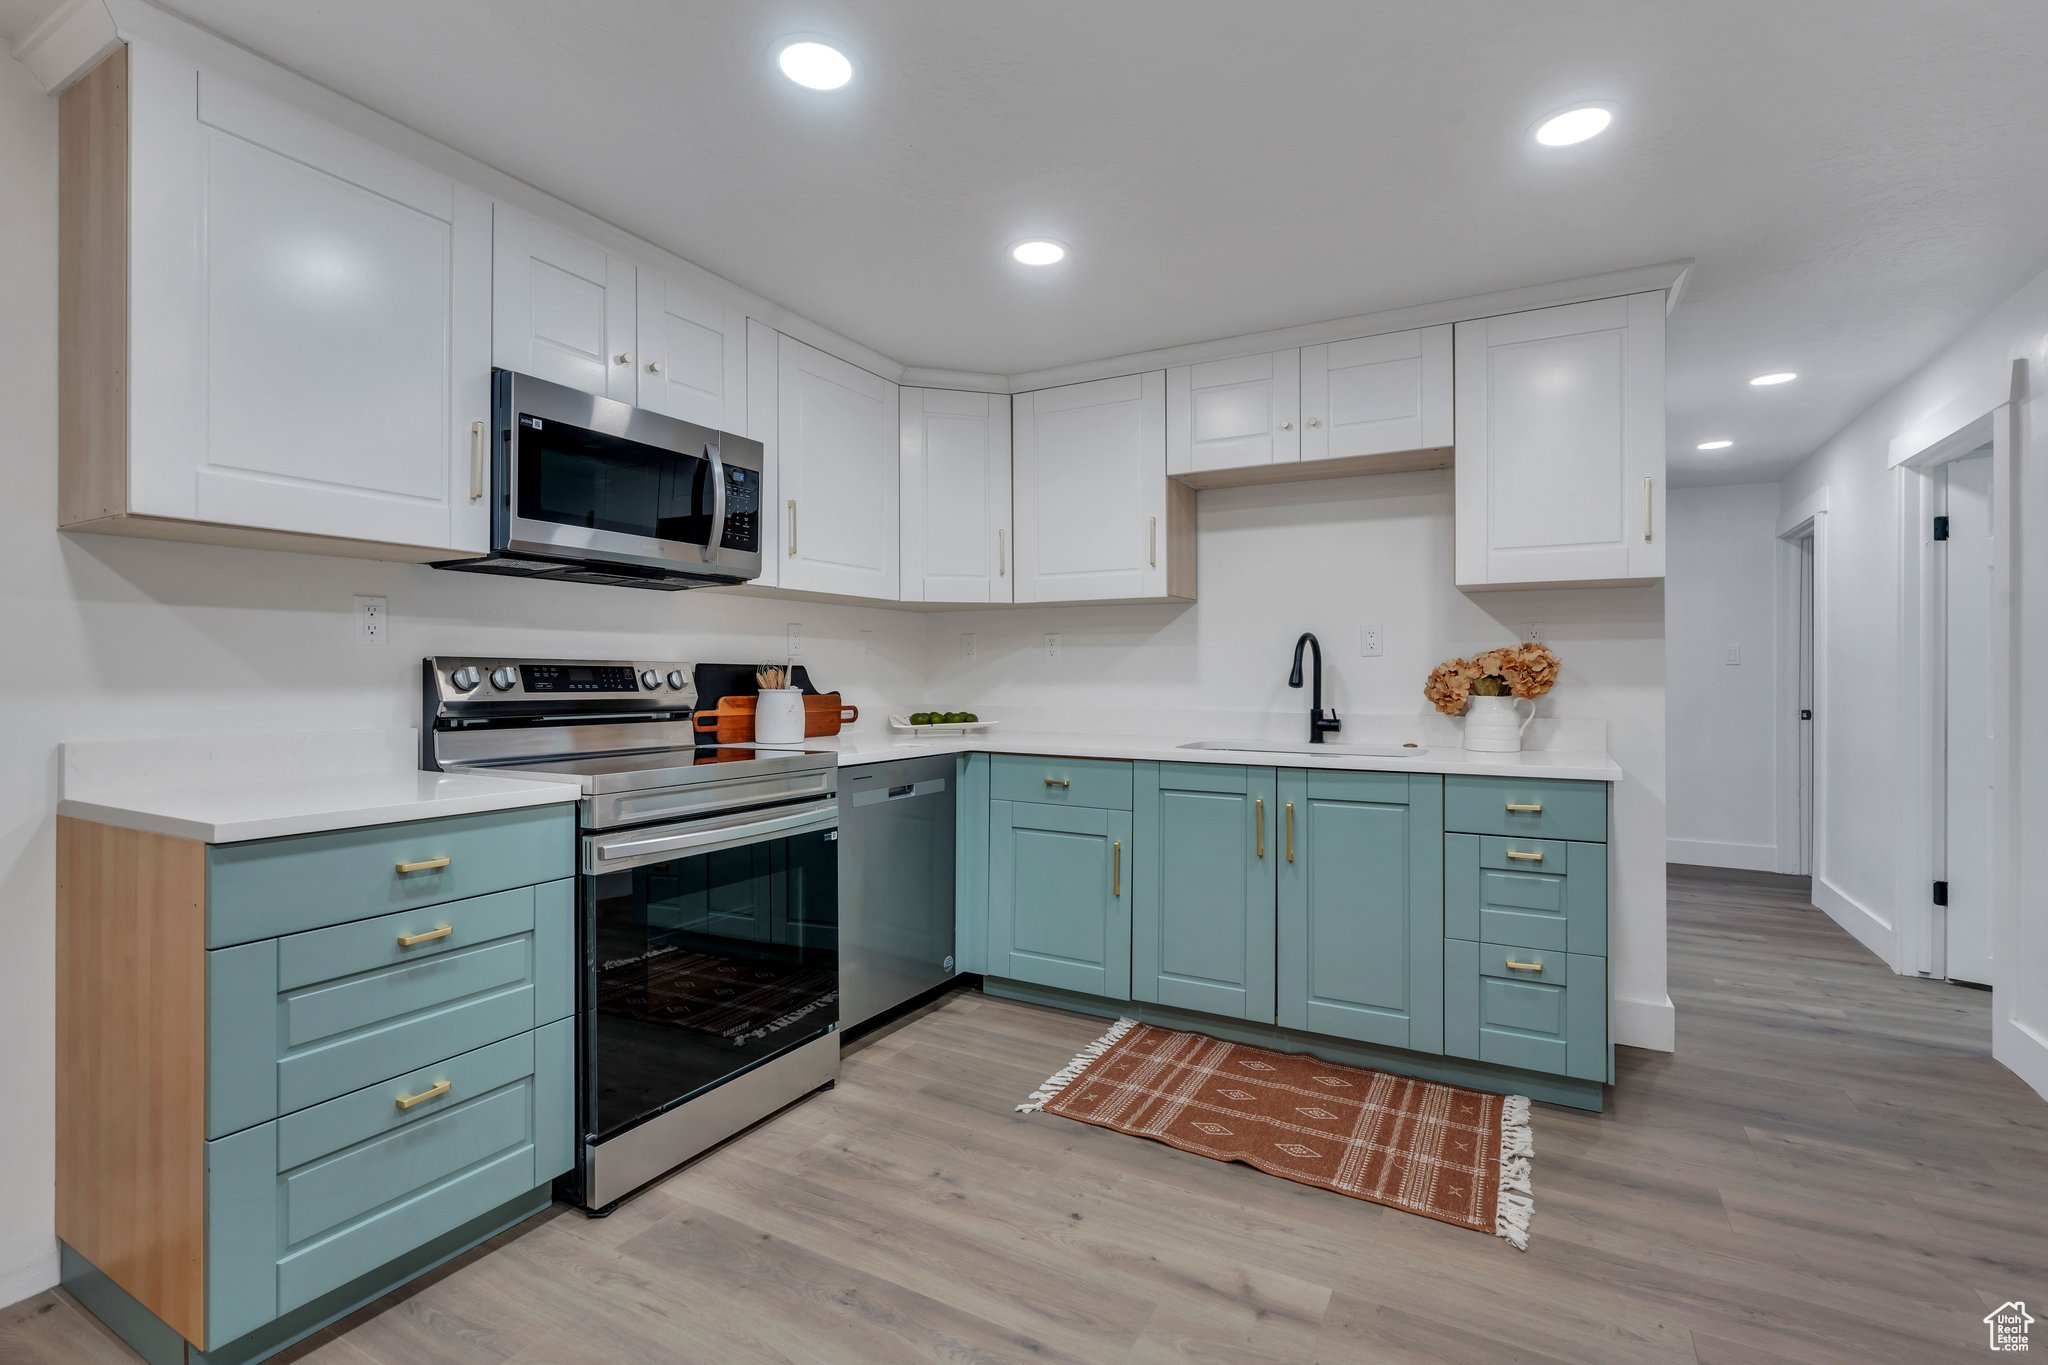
(837, 435)
(955, 473)
(1560, 466)
(272, 332)
(1097, 518)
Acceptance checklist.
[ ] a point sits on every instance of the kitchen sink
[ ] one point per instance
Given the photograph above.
(1252, 746)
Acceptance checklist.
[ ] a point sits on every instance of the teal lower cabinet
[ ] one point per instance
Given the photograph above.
(1202, 918)
(1059, 897)
(1540, 1010)
(1361, 907)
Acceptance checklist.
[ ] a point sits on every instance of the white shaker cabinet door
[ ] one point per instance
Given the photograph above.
(1233, 414)
(1376, 395)
(1560, 463)
(692, 363)
(562, 309)
(309, 325)
(956, 496)
(837, 437)
(1091, 491)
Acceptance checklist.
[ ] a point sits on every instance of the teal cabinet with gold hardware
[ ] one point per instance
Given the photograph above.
(1060, 882)
(1202, 921)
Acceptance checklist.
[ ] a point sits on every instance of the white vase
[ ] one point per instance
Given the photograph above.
(1494, 725)
(779, 716)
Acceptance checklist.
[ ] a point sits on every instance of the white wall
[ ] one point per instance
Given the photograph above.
(1863, 770)
(1327, 556)
(1722, 592)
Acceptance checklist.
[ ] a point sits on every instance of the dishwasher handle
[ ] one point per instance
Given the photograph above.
(930, 786)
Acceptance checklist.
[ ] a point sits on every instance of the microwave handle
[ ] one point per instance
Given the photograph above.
(717, 541)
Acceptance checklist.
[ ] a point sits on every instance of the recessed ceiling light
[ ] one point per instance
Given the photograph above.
(814, 65)
(1780, 377)
(1038, 251)
(1568, 126)
(1715, 445)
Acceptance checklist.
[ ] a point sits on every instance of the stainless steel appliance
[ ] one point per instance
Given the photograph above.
(896, 884)
(590, 490)
(707, 897)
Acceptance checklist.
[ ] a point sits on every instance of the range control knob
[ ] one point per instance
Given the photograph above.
(649, 679)
(465, 678)
(676, 679)
(503, 679)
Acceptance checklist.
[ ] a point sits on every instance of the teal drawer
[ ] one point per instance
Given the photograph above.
(301, 1019)
(1527, 808)
(301, 1206)
(1544, 893)
(1098, 783)
(281, 886)
(1549, 1014)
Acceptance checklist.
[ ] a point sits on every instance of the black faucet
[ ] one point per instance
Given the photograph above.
(1318, 723)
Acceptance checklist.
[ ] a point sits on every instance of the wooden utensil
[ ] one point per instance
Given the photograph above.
(729, 722)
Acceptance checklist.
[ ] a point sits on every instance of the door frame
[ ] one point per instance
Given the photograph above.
(1808, 517)
(1922, 926)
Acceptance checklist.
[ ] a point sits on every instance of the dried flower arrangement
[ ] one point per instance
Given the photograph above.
(1526, 670)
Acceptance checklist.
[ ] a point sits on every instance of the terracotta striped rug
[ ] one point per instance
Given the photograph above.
(1456, 1155)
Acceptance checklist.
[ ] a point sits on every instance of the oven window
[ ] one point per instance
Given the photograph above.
(703, 966)
(574, 477)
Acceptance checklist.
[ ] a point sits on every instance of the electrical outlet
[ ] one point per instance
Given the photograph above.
(1733, 658)
(372, 627)
(967, 645)
(1052, 645)
(1371, 641)
(1534, 632)
(867, 643)
(796, 638)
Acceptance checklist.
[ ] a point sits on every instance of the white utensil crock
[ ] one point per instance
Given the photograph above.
(779, 716)
(1494, 725)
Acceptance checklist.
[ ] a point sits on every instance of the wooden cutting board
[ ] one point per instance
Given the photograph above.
(732, 720)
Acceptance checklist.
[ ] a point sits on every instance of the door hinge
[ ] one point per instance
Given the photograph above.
(1941, 528)
(1941, 893)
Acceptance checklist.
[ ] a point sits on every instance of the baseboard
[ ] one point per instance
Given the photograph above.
(30, 1278)
(1859, 919)
(1713, 853)
(2022, 1050)
(1651, 1024)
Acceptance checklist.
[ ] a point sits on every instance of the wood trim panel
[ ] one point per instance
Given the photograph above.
(255, 538)
(92, 294)
(1180, 541)
(1394, 462)
(131, 1063)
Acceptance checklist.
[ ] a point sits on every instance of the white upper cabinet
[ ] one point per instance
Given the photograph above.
(1096, 517)
(1234, 414)
(837, 436)
(956, 496)
(299, 321)
(1561, 445)
(562, 309)
(1376, 395)
(692, 362)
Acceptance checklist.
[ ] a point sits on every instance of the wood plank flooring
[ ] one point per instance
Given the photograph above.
(1830, 1169)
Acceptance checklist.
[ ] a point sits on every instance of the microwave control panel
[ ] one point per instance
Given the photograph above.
(742, 510)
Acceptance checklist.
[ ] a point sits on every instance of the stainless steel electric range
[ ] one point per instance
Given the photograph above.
(707, 896)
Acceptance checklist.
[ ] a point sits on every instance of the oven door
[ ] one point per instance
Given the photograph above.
(586, 479)
(709, 948)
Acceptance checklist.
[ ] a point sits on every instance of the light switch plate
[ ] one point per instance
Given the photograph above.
(1733, 657)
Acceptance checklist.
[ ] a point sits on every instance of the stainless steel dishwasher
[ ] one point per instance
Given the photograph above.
(896, 825)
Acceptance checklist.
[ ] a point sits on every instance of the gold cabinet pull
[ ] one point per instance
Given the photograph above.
(1290, 831)
(1002, 555)
(1116, 868)
(1155, 542)
(792, 528)
(1646, 507)
(1259, 823)
(1515, 966)
(1059, 781)
(415, 940)
(425, 865)
(1536, 857)
(476, 460)
(432, 1092)
(1526, 807)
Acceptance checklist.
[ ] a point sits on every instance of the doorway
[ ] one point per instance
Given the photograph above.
(1804, 699)
(1967, 714)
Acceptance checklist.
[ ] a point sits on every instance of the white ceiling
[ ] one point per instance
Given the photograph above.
(1857, 179)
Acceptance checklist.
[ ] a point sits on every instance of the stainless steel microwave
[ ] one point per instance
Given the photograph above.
(591, 490)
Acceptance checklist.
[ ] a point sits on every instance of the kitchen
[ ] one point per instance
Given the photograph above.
(917, 545)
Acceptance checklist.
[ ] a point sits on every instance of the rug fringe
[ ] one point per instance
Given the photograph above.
(1087, 1057)
(1517, 1149)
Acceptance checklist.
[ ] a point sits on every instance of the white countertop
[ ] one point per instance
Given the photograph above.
(1572, 765)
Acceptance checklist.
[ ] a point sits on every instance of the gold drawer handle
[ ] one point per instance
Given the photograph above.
(1059, 781)
(432, 1092)
(1525, 857)
(1290, 831)
(415, 940)
(1259, 823)
(425, 865)
(1526, 808)
(1116, 866)
(1515, 966)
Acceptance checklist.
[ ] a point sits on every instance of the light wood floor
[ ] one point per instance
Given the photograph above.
(1830, 1169)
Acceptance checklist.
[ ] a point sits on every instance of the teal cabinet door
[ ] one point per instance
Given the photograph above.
(1361, 933)
(1060, 881)
(1202, 900)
